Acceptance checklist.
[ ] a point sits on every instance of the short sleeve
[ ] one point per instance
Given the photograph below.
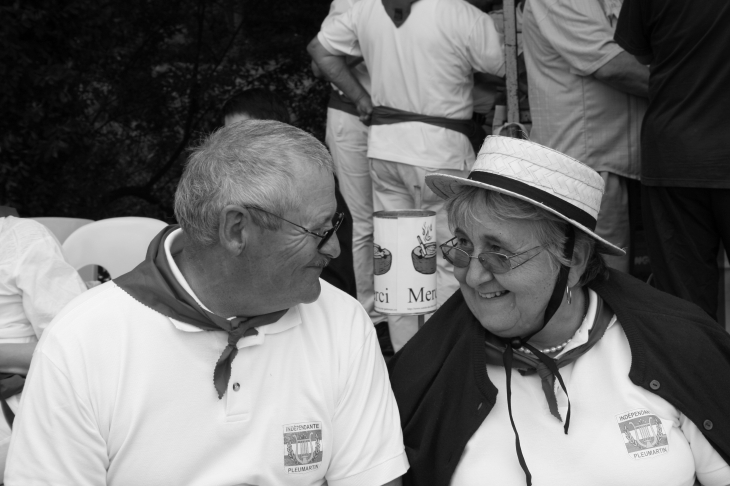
(55, 438)
(368, 442)
(710, 467)
(338, 7)
(579, 31)
(338, 33)
(632, 30)
(485, 50)
(46, 281)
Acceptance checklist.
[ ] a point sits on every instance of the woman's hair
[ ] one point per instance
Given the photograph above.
(463, 210)
(250, 164)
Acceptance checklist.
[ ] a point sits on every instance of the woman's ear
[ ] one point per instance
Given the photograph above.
(581, 254)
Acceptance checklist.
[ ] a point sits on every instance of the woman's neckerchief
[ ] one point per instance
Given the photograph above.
(153, 284)
(510, 344)
(545, 368)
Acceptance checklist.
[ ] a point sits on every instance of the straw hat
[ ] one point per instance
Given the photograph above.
(538, 175)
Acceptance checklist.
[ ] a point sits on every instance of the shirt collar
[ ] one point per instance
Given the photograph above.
(172, 246)
(581, 335)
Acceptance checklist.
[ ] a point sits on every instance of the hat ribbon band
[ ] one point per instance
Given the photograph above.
(555, 203)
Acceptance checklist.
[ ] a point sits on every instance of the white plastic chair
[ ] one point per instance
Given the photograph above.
(117, 244)
(63, 227)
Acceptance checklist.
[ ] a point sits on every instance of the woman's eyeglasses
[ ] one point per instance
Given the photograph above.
(325, 237)
(492, 261)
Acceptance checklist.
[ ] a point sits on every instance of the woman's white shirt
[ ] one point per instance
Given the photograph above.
(619, 433)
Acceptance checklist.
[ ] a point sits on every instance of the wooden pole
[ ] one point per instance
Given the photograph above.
(510, 48)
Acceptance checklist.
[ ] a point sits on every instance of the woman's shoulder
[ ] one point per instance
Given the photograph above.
(446, 342)
(439, 334)
(639, 304)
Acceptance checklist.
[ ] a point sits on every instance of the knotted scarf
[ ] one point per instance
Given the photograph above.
(153, 284)
(528, 365)
(545, 367)
(398, 10)
(510, 344)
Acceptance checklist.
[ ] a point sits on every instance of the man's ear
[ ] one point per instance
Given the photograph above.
(234, 228)
(579, 263)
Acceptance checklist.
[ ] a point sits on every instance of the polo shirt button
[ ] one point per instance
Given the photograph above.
(707, 424)
(236, 387)
(654, 385)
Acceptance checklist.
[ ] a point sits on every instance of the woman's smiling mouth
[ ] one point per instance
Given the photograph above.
(491, 295)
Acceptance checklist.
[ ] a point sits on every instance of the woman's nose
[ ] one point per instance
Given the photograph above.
(476, 274)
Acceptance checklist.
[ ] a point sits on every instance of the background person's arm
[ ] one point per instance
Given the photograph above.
(15, 357)
(582, 35)
(334, 68)
(625, 73)
(45, 280)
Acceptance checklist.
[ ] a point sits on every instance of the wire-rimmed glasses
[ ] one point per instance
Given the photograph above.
(336, 222)
(492, 261)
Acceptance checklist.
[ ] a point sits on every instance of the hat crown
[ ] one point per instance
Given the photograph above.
(544, 169)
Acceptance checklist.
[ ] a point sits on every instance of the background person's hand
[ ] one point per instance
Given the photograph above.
(364, 108)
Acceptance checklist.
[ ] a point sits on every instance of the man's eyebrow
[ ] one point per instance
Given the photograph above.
(326, 219)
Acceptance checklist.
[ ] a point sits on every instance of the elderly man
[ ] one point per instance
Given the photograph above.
(421, 57)
(587, 99)
(149, 380)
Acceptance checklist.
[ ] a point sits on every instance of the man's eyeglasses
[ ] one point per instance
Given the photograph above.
(492, 261)
(325, 237)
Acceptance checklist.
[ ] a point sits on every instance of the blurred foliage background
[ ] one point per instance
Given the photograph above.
(101, 99)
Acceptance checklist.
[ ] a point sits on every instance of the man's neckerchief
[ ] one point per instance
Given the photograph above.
(398, 10)
(153, 284)
(527, 365)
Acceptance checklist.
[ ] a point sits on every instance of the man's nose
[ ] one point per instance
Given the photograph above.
(332, 247)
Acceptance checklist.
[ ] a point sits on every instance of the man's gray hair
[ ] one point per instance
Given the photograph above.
(250, 164)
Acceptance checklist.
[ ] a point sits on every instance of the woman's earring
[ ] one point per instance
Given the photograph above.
(568, 294)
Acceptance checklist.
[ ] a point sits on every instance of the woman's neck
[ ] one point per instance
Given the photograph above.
(564, 324)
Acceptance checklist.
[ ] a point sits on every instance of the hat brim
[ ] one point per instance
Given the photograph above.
(445, 186)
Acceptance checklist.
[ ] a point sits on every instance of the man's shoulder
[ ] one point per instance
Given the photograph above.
(335, 312)
(458, 10)
(332, 299)
(100, 307)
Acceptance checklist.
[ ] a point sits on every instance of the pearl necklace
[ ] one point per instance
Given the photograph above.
(557, 348)
(546, 350)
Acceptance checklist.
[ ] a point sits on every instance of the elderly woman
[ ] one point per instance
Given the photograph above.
(546, 366)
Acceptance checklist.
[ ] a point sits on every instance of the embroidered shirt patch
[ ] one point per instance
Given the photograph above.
(302, 447)
(643, 433)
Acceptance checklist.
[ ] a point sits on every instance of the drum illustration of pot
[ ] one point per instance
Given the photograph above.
(404, 280)
(382, 259)
(424, 257)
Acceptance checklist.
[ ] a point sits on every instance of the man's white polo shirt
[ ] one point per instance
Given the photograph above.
(119, 394)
